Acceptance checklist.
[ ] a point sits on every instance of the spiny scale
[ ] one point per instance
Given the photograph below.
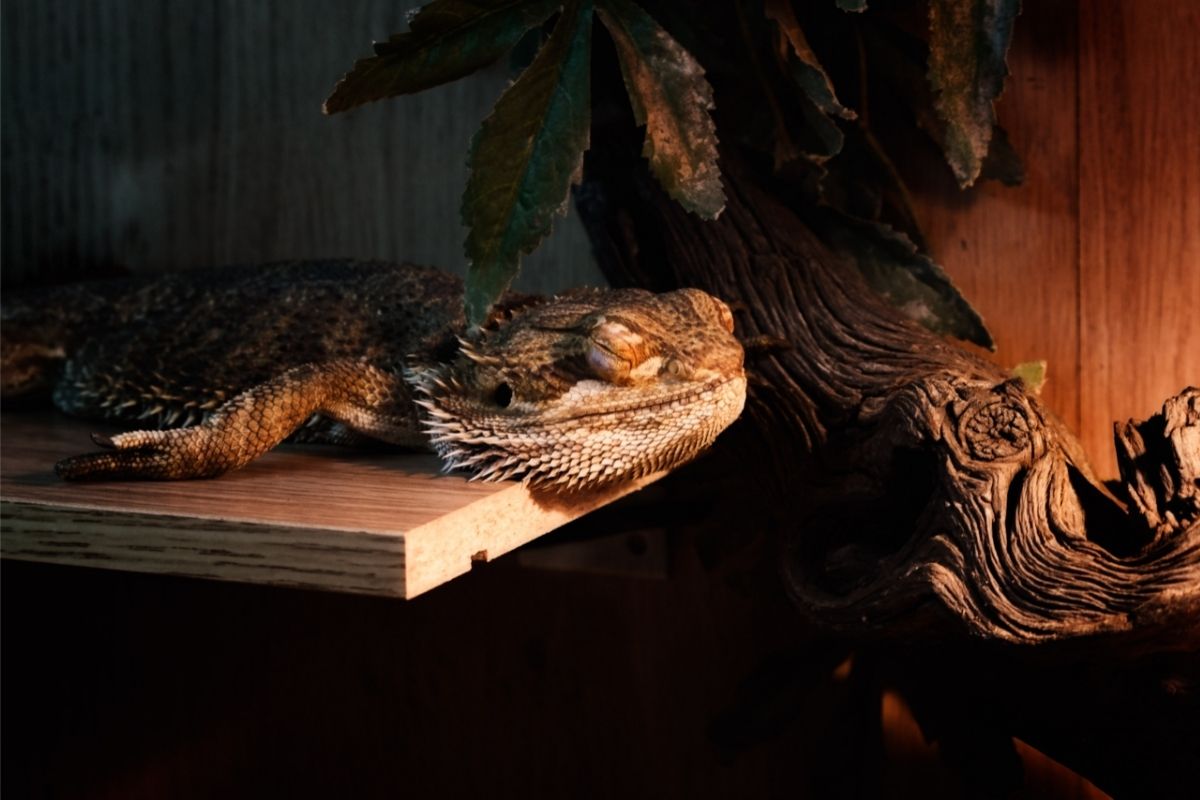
(338, 349)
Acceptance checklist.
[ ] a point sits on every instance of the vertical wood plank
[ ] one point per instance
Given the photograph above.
(1013, 250)
(1139, 192)
(163, 135)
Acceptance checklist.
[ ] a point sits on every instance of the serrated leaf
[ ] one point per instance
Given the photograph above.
(900, 59)
(525, 157)
(446, 40)
(672, 98)
(968, 44)
(801, 61)
(776, 115)
(909, 279)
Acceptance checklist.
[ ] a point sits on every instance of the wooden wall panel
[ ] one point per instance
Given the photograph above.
(1094, 263)
(1013, 250)
(158, 135)
(1139, 148)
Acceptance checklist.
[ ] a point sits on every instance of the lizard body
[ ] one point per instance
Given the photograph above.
(589, 388)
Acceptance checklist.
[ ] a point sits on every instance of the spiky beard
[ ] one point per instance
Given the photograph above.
(607, 443)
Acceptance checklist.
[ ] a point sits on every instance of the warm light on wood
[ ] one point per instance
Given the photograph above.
(366, 522)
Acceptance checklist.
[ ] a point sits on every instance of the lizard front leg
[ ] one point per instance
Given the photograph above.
(359, 394)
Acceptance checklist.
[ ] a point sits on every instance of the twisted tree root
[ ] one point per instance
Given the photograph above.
(940, 496)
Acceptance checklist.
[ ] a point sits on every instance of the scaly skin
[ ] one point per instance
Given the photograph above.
(578, 391)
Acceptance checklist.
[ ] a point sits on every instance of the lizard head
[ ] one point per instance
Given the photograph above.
(588, 389)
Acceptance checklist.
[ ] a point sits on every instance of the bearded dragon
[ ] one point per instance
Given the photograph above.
(581, 390)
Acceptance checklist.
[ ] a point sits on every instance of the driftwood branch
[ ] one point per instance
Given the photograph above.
(937, 494)
(925, 496)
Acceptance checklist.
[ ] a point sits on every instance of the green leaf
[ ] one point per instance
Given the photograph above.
(801, 61)
(909, 279)
(525, 157)
(852, 5)
(1032, 374)
(968, 43)
(446, 40)
(672, 98)
(900, 60)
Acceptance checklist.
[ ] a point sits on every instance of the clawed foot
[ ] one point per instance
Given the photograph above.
(148, 455)
(352, 392)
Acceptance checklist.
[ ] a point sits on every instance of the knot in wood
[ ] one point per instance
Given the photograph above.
(996, 429)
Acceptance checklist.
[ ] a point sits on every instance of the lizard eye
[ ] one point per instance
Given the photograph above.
(613, 351)
(606, 364)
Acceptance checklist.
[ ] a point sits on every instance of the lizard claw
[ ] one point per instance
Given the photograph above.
(147, 455)
(101, 466)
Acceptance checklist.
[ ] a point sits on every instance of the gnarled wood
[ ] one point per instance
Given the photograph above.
(941, 495)
(924, 496)
(1160, 465)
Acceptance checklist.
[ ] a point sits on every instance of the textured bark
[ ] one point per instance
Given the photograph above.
(924, 489)
(933, 511)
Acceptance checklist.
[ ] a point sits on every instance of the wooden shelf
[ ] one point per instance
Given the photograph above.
(362, 521)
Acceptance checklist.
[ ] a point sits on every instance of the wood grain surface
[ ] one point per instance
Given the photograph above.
(158, 135)
(1139, 212)
(368, 522)
(1094, 263)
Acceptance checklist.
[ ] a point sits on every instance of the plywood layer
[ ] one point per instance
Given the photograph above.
(368, 522)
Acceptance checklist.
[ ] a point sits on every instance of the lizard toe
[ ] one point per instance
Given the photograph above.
(111, 465)
(148, 455)
(100, 440)
(136, 440)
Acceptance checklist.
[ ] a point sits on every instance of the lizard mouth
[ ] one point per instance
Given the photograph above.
(594, 435)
